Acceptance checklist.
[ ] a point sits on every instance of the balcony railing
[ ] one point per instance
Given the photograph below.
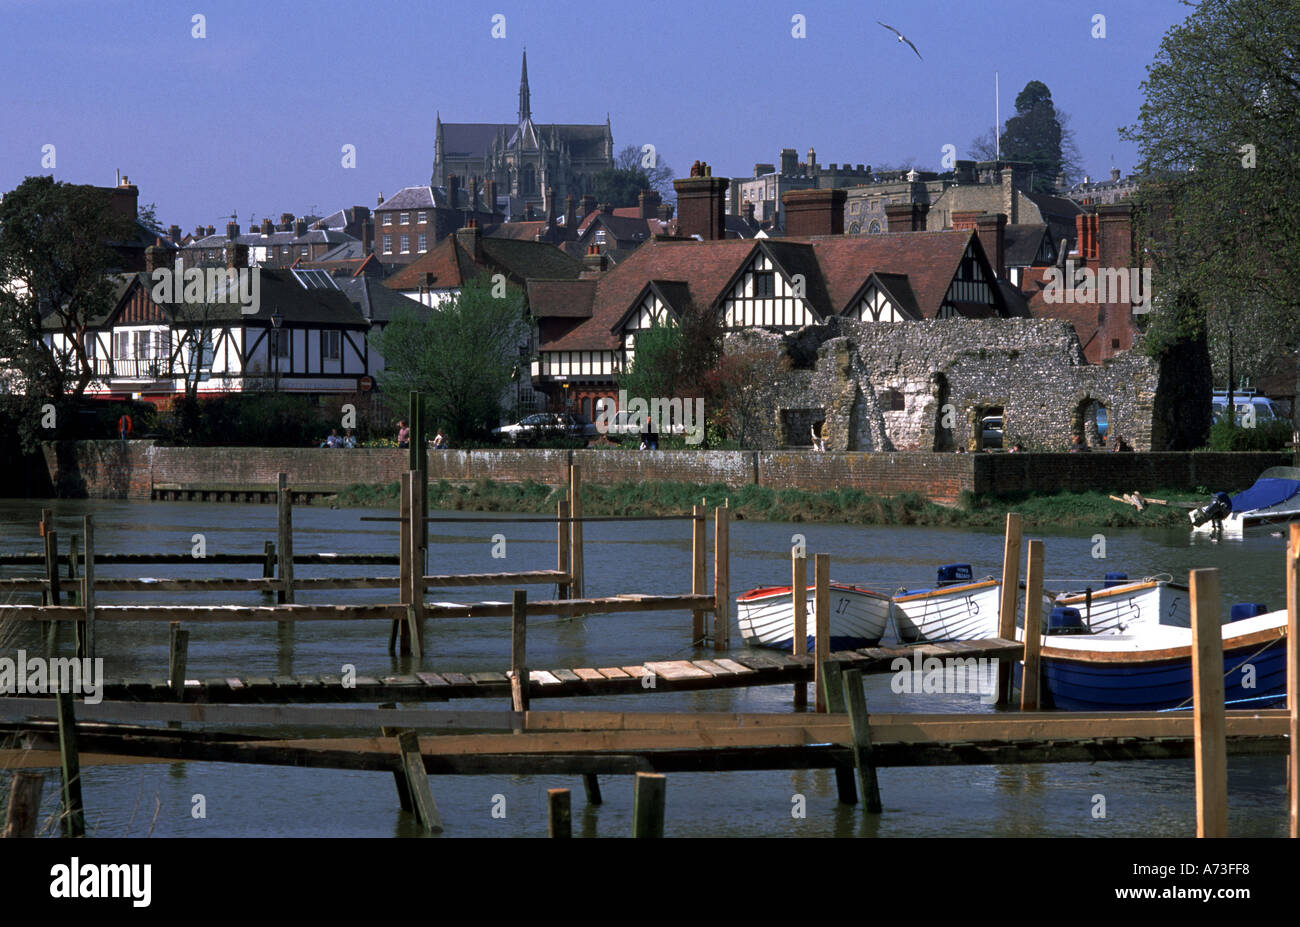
(133, 368)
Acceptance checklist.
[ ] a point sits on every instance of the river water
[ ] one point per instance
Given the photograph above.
(1153, 798)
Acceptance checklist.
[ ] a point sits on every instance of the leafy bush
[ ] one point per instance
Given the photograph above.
(1266, 436)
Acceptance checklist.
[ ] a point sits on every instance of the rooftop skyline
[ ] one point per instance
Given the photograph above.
(254, 116)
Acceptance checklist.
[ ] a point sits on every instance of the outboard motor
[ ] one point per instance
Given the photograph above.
(1065, 620)
(1115, 579)
(1246, 610)
(1218, 508)
(954, 573)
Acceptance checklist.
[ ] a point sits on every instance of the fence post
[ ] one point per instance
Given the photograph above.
(1010, 592)
(559, 813)
(855, 702)
(518, 652)
(648, 805)
(24, 804)
(562, 546)
(699, 570)
(799, 596)
(822, 634)
(284, 534)
(54, 628)
(1029, 687)
(88, 587)
(576, 565)
(721, 579)
(71, 813)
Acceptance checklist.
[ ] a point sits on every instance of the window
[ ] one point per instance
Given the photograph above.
(330, 343)
(388, 244)
(421, 217)
(1114, 344)
(423, 243)
(406, 244)
(121, 345)
(764, 284)
(892, 401)
(405, 218)
(302, 250)
(600, 236)
(388, 218)
(284, 251)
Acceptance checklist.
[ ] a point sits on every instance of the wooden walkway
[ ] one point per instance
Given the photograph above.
(741, 670)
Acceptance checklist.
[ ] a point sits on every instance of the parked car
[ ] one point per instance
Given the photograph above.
(991, 435)
(1264, 408)
(543, 424)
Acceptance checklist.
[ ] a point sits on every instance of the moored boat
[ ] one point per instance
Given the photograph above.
(1273, 500)
(1121, 606)
(1150, 667)
(858, 617)
(959, 608)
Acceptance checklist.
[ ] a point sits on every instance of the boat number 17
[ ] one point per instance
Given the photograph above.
(842, 607)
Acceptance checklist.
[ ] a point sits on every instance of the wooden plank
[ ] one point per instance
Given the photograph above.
(733, 666)
(417, 782)
(758, 662)
(542, 677)
(1208, 708)
(1033, 621)
(409, 680)
(1007, 603)
(565, 675)
(488, 679)
(431, 679)
(648, 805)
(822, 618)
(457, 679)
(712, 668)
(672, 670)
(613, 672)
(588, 675)
(24, 805)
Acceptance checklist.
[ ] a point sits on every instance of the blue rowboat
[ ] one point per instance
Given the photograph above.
(1150, 669)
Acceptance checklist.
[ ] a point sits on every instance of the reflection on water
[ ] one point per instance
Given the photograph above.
(1147, 798)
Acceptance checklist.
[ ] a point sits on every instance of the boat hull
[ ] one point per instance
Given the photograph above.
(1085, 675)
(953, 613)
(858, 617)
(1133, 605)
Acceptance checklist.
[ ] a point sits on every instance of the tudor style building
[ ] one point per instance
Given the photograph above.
(588, 327)
(524, 159)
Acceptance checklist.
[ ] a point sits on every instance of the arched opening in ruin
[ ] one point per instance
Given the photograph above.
(1090, 418)
(991, 424)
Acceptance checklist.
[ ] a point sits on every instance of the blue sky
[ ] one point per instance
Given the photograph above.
(253, 117)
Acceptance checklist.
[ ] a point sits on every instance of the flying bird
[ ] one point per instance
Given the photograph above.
(901, 37)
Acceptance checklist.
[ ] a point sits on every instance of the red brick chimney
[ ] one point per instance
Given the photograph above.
(1114, 241)
(236, 255)
(156, 255)
(300, 227)
(594, 259)
(471, 239)
(992, 230)
(966, 220)
(286, 222)
(814, 212)
(267, 227)
(648, 202)
(701, 204)
(125, 200)
(232, 230)
(905, 217)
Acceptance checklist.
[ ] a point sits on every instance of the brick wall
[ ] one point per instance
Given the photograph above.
(130, 470)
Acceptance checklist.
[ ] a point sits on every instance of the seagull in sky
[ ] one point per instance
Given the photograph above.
(901, 37)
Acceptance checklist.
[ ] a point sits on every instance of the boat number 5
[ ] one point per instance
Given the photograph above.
(972, 606)
(842, 606)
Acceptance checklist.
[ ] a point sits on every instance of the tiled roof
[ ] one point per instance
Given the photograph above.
(409, 198)
(449, 264)
(376, 301)
(1020, 247)
(520, 231)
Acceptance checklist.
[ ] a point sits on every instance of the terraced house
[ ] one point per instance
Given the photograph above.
(588, 327)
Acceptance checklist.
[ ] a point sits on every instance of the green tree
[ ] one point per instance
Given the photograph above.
(1216, 133)
(460, 355)
(1039, 134)
(55, 258)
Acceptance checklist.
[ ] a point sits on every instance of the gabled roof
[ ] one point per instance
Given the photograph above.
(561, 299)
(376, 301)
(448, 263)
(528, 259)
(520, 231)
(409, 198)
(1022, 243)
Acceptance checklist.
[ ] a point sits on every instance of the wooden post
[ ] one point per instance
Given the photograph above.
(576, 565)
(399, 774)
(71, 814)
(178, 654)
(1010, 592)
(832, 691)
(73, 587)
(562, 545)
(699, 570)
(559, 813)
(24, 804)
(721, 579)
(268, 565)
(284, 536)
(592, 786)
(419, 558)
(1033, 621)
(1207, 705)
(417, 782)
(88, 588)
(419, 449)
(1293, 675)
(648, 805)
(856, 704)
(822, 619)
(518, 653)
(799, 595)
(399, 639)
(52, 578)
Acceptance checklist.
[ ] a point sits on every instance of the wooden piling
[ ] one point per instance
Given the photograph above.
(722, 579)
(74, 587)
(52, 593)
(822, 626)
(86, 638)
(1293, 675)
(1033, 621)
(648, 805)
(419, 559)
(799, 595)
(417, 782)
(699, 570)
(855, 702)
(178, 652)
(72, 815)
(284, 538)
(831, 690)
(268, 565)
(399, 638)
(591, 785)
(24, 804)
(1010, 592)
(1207, 704)
(576, 565)
(518, 657)
(562, 546)
(559, 813)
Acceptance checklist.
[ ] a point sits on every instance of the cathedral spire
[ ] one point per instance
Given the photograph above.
(525, 106)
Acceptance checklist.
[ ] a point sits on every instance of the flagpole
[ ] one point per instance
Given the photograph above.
(997, 120)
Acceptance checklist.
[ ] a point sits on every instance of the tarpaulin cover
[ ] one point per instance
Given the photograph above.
(1265, 493)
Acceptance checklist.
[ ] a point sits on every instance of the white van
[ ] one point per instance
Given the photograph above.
(1265, 410)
